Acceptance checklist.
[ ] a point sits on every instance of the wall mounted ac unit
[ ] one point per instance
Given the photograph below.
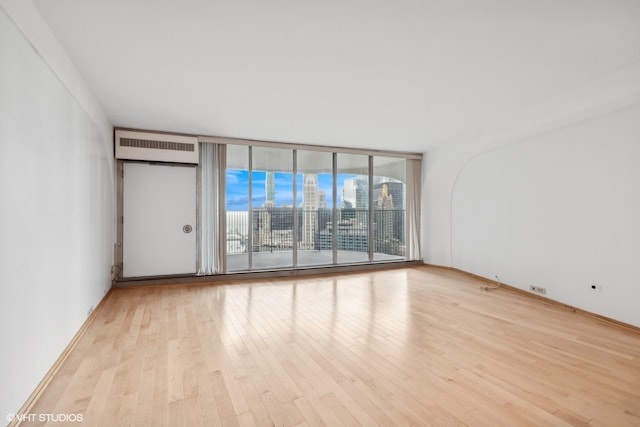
(156, 147)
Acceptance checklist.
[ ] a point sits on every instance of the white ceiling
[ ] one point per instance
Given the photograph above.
(399, 75)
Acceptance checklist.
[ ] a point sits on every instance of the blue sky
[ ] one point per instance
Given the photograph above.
(238, 193)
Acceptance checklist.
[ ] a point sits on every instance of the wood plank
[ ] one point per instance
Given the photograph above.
(411, 346)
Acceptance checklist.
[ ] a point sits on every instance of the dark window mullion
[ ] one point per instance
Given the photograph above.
(250, 219)
(295, 208)
(371, 231)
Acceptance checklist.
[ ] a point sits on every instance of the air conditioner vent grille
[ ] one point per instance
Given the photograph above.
(157, 145)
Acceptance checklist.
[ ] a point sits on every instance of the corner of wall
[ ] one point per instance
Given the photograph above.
(445, 163)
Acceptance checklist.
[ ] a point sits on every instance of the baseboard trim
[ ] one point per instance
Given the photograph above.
(541, 298)
(33, 398)
(266, 274)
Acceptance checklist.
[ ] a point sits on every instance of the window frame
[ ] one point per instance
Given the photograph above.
(335, 151)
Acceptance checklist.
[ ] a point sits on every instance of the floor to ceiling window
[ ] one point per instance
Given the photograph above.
(388, 207)
(352, 225)
(272, 213)
(300, 208)
(315, 207)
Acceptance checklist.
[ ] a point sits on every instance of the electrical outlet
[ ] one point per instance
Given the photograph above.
(538, 289)
(595, 287)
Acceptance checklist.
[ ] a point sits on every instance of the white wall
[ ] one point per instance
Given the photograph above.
(560, 210)
(555, 205)
(57, 202)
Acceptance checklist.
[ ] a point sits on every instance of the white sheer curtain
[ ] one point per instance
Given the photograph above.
(414, 179)
(210, 241)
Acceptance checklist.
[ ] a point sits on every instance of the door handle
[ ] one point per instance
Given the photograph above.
(187, 229)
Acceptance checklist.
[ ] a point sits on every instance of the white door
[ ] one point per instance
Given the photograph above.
(159, 220)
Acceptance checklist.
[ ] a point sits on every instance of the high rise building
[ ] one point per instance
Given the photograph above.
(385, 214)
(272, 229)
(270, 189)
(395, 190)
(384, 199)
(388, 199)
(309, 210)
(350, 236)
(322, 199)
(356, 191)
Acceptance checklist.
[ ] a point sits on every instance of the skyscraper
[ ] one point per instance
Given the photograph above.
(356, 191)
(384, 199)
(384, 214)
(309, 210)
(388, 198)
(395, 190)
(270, 188)
(322, 199)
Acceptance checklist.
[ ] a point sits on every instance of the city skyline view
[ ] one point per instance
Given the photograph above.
(237, 194)
(267, 214)
(237, 188)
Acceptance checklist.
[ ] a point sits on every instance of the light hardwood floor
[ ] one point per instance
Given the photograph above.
(417, 346)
